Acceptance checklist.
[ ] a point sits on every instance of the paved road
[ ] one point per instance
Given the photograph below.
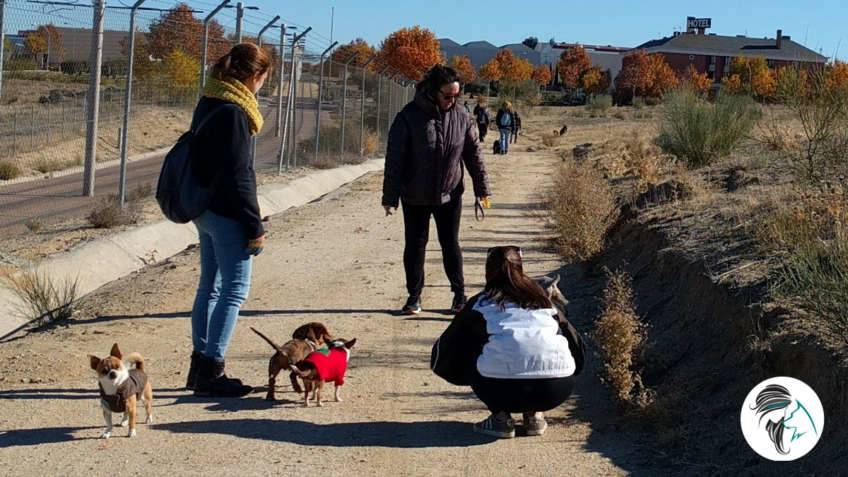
(60, 198)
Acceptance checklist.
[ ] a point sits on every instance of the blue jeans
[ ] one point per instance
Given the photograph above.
(505, 134)
(225, 268)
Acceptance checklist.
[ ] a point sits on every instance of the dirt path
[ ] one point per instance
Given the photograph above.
(338, 261)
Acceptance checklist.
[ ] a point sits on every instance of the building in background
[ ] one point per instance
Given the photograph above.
(712, 54)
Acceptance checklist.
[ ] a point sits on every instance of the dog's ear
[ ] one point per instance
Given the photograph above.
(350, 344)
(115, 351)
(94, 361)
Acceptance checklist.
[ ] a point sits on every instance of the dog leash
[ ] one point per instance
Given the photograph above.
(479, 212)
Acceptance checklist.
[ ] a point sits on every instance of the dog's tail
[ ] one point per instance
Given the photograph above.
(135, 358)
(269, 340)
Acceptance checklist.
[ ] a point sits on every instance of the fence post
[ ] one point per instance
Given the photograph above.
(2, 41)
(280, 85)
(93, 103)
(389, 104)
(362, 106)
(122, 139)
(203, 52)
(239, 20)
(294, 81)
(259, 41)
(289, 104)
(320, 99)
(344, 104)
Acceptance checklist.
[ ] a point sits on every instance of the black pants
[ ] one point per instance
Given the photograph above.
(416, 221)
(521, 395)
(483, 129)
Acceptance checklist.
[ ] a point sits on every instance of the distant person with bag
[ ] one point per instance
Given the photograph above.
(516, 125)
(504, 120)
(512, 346)
(431, 143)
(230, 231)
(482, 118)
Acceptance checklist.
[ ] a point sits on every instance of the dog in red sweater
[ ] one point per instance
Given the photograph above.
(323, 366)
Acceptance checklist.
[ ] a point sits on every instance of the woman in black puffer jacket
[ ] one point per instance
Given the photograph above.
(429, 143)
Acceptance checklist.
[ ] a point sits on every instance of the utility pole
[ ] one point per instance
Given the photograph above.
(280, 81)
(91, 115)
(259, 41)
(344, 104)
(239, 20)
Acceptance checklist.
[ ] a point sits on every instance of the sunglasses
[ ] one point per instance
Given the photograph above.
(449, 97)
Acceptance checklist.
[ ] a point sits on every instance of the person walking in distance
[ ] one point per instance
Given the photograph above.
(505, 124)
(482, 118)
(516, 126)
(429, 142)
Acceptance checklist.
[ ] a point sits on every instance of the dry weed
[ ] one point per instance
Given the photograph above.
(44, 300)
(370, 143)
(108, 213)
(620, 336)
(9, 171)
(583, 207)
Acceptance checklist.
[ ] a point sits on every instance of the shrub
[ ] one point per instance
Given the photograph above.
(599, 104)
(642, 158)
(34, 225)
(811, 236)
(620, 335)
(583, 207)
(699, 132)
(370, 143)
(45, 165)
(9, 171)
(44, 300)
(108, 213)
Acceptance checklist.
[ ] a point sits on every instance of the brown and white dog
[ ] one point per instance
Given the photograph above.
(121, 388)
(305, 339)
(319, 367)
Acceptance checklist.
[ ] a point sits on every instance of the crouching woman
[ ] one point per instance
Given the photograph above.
(511, 345)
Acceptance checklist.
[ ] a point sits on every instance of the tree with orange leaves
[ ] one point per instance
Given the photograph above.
(573, 64)
(732, 84)
(699, 82)
(180, 29)
(542, 75)
(411, 51)
(463, 68)
(836, 78)
(595, 81)
(661, 78)
(358, 47)
(491, 71)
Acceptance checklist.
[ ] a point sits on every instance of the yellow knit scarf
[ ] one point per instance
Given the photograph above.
(234, 91)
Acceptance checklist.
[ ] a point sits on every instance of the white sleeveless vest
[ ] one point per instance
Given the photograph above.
(523, 344)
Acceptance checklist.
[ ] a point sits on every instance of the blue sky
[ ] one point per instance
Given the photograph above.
(615, 22)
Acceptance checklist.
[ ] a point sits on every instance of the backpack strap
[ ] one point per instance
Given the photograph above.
(208, 117)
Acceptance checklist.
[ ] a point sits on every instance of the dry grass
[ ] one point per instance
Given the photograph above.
(44, 300)
(643, 159)
(583, 207)
(620, 336)
(809, 232)
(370, 143)
(9, 171)
(108, 213)
(47, 165)
(551, 139)
(324, 162)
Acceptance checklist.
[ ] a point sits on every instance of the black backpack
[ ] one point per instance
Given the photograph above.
(181, 196)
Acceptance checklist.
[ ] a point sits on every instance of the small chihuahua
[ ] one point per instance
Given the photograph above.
(291, 352)
(120, 388)
(320, 367)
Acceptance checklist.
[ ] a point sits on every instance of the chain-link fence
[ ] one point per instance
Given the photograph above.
(70, 130)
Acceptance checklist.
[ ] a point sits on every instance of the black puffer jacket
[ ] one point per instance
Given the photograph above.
(426, 152)
(221, 150)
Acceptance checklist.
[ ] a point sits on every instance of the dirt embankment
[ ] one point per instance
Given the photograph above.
(712, 338)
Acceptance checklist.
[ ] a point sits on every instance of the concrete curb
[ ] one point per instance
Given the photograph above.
(101, 261)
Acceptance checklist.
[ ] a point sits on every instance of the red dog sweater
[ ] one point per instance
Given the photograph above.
(330, 367)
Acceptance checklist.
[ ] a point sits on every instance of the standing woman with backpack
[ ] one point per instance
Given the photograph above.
(481, 117)
(230, 230)
(505, 124)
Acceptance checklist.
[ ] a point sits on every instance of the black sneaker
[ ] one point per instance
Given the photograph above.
(412, 306)
(459, 301)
